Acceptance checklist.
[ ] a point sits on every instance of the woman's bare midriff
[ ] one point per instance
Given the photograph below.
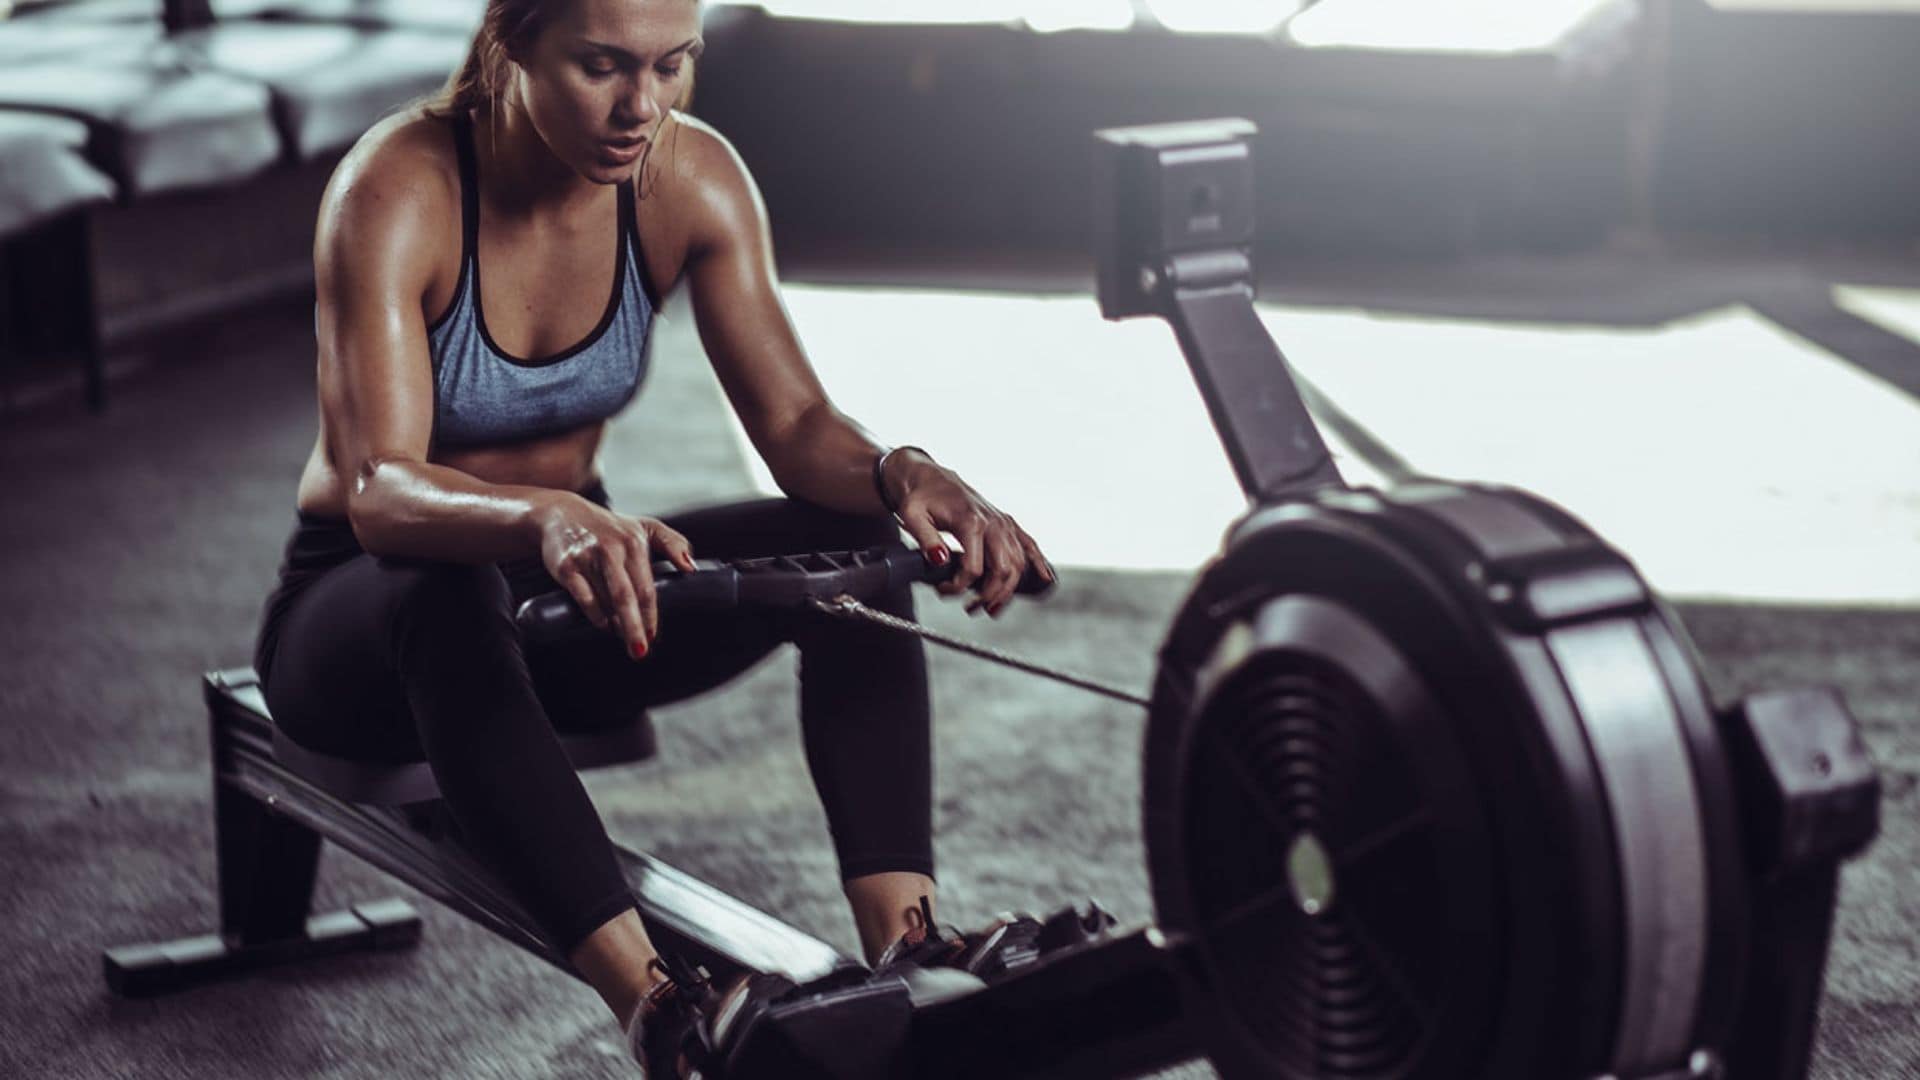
(564, 462)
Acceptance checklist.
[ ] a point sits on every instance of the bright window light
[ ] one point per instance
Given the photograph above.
(1606, 421)
(1897, 310)
(891, 11)
(1471, 26)
(1224, 16)
(1047, 16)
(1042, 16)
(1826, 7)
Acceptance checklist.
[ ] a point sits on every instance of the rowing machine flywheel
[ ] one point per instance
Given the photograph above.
(1433, 791)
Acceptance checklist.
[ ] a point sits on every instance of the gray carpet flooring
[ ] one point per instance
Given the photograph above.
(138, 546)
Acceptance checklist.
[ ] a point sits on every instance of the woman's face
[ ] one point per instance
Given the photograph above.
(601, 78)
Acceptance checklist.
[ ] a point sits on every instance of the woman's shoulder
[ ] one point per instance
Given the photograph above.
(705, 180)
(406, 162)
(698, 156)
(417, 136)
(394, 198)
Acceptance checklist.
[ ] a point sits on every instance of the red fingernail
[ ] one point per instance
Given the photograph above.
(939, 556)
(637, 650)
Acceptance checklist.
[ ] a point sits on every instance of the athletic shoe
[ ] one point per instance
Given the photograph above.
(748, 999)
(1007, 944)
(1071, 926)
(1016, 939)
(668, 1032)
(1010, 942)
(924, 945)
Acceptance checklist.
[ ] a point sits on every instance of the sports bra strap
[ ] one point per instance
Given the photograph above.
(469, 185)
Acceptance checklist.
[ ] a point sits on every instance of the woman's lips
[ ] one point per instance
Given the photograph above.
(622, 153)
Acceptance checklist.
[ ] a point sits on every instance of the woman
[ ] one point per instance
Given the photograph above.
(454, 475)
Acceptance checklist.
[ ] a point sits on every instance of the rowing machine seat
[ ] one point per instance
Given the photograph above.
(399, 784)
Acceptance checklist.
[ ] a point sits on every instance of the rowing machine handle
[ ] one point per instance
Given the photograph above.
(785, 581)
(1031, 582)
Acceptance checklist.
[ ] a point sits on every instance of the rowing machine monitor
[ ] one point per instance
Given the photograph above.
(1175, 234)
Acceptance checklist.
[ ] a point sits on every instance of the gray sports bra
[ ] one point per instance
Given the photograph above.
(482, 394)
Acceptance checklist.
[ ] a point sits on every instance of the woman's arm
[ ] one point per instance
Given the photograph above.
(374, 251)
(379, 235)
(814, 451)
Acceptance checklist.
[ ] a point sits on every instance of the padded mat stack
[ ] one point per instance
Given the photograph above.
(43, 171)
(264, 84)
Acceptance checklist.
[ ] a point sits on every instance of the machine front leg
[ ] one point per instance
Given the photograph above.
(267, 862)
(267, 866)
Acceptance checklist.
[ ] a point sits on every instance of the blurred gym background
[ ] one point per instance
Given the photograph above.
(1656, 259)
(1392, 130)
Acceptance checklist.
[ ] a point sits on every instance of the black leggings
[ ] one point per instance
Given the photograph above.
(402, 659)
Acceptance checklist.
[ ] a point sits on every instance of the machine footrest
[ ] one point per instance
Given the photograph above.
(146, 970)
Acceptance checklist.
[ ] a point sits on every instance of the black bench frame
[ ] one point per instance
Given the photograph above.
(269, 819)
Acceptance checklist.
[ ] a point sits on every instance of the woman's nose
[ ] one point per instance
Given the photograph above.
(641, 101)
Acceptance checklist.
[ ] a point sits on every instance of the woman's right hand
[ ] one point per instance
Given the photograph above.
(604, 561)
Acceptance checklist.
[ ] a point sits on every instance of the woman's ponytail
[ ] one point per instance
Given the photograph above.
(481, 81)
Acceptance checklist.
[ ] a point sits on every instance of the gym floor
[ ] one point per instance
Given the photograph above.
(1746, 425)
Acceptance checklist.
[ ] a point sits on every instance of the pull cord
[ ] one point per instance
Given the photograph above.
(847, 607)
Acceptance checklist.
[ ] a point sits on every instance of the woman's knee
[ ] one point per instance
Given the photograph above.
(450, 596)
(835, 530)
(778, 525)
(871, 530)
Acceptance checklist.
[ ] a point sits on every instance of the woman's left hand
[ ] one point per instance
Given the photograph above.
(995, 550)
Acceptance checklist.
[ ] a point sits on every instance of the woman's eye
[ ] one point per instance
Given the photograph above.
(597, 71)
(670, 72)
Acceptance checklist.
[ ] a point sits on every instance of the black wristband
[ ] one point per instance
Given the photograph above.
(880, 479)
